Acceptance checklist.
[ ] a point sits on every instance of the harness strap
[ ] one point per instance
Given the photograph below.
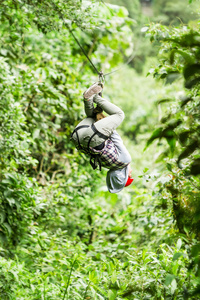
(88, 145)
(75, 131)
(79, 127)
(94, 159)
(101, 135)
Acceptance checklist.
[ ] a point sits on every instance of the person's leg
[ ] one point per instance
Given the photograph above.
(89, 107)
(110, 123)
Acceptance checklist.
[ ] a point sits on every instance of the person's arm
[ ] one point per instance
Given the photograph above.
(89, 108)
(124, 155)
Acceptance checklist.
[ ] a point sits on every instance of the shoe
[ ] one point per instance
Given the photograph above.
(92, 90)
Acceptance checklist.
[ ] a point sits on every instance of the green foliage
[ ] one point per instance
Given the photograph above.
(174, 12)
(14, 140)
(41, 84)
(180, 57)
(133, 7)
(19, 203)
(62, 235)
(46, 15)
(179, 61)
(117, 263)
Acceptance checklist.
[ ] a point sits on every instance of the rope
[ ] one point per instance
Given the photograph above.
(100, 73)
(128, 62)
(76, 40)
(82, 49)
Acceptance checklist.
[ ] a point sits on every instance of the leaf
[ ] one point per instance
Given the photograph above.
(113, 277)
(188, 58)
(190, 83)
(183, 136)
(144, 29)
(185, 100)
(191, 70)
(93, 276)
(7, 227)
(36, 133)
(179, 244)
(122, 13)
(188, 151)
(195, 251)
(156, 134)
(173, 286)
(11, 201)
(103, 292)
(177, 256)
(48, 269)
(2, 217)
(171, 77)
(8, 193)
(145, 170)
(195, 167)
(112, 294)
(169, 167)
(164, 100)
(169, 278)
(172, 124)
(15, 275)
(172, 56)
(172, 143)
(10, 179)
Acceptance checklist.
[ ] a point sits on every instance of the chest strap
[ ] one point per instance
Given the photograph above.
(101, 135)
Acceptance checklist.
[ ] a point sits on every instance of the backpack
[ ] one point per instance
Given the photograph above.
(94, 157)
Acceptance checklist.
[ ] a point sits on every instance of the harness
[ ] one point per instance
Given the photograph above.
(94, 158)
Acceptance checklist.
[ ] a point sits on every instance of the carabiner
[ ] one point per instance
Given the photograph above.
(101, 77)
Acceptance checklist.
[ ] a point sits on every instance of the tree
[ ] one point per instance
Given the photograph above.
(42, 67)
(174, 12)
(180, 124)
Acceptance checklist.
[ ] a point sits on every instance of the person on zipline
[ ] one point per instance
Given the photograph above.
(96, 136)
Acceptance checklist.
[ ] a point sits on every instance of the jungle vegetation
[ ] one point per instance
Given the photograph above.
(62, 234)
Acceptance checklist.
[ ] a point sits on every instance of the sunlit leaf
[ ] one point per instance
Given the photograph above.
(177, 256)
(169, 278)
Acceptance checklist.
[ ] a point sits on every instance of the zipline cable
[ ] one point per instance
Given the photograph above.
(128, 62)
(82, 49)
(100, 73)
(76, 40)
